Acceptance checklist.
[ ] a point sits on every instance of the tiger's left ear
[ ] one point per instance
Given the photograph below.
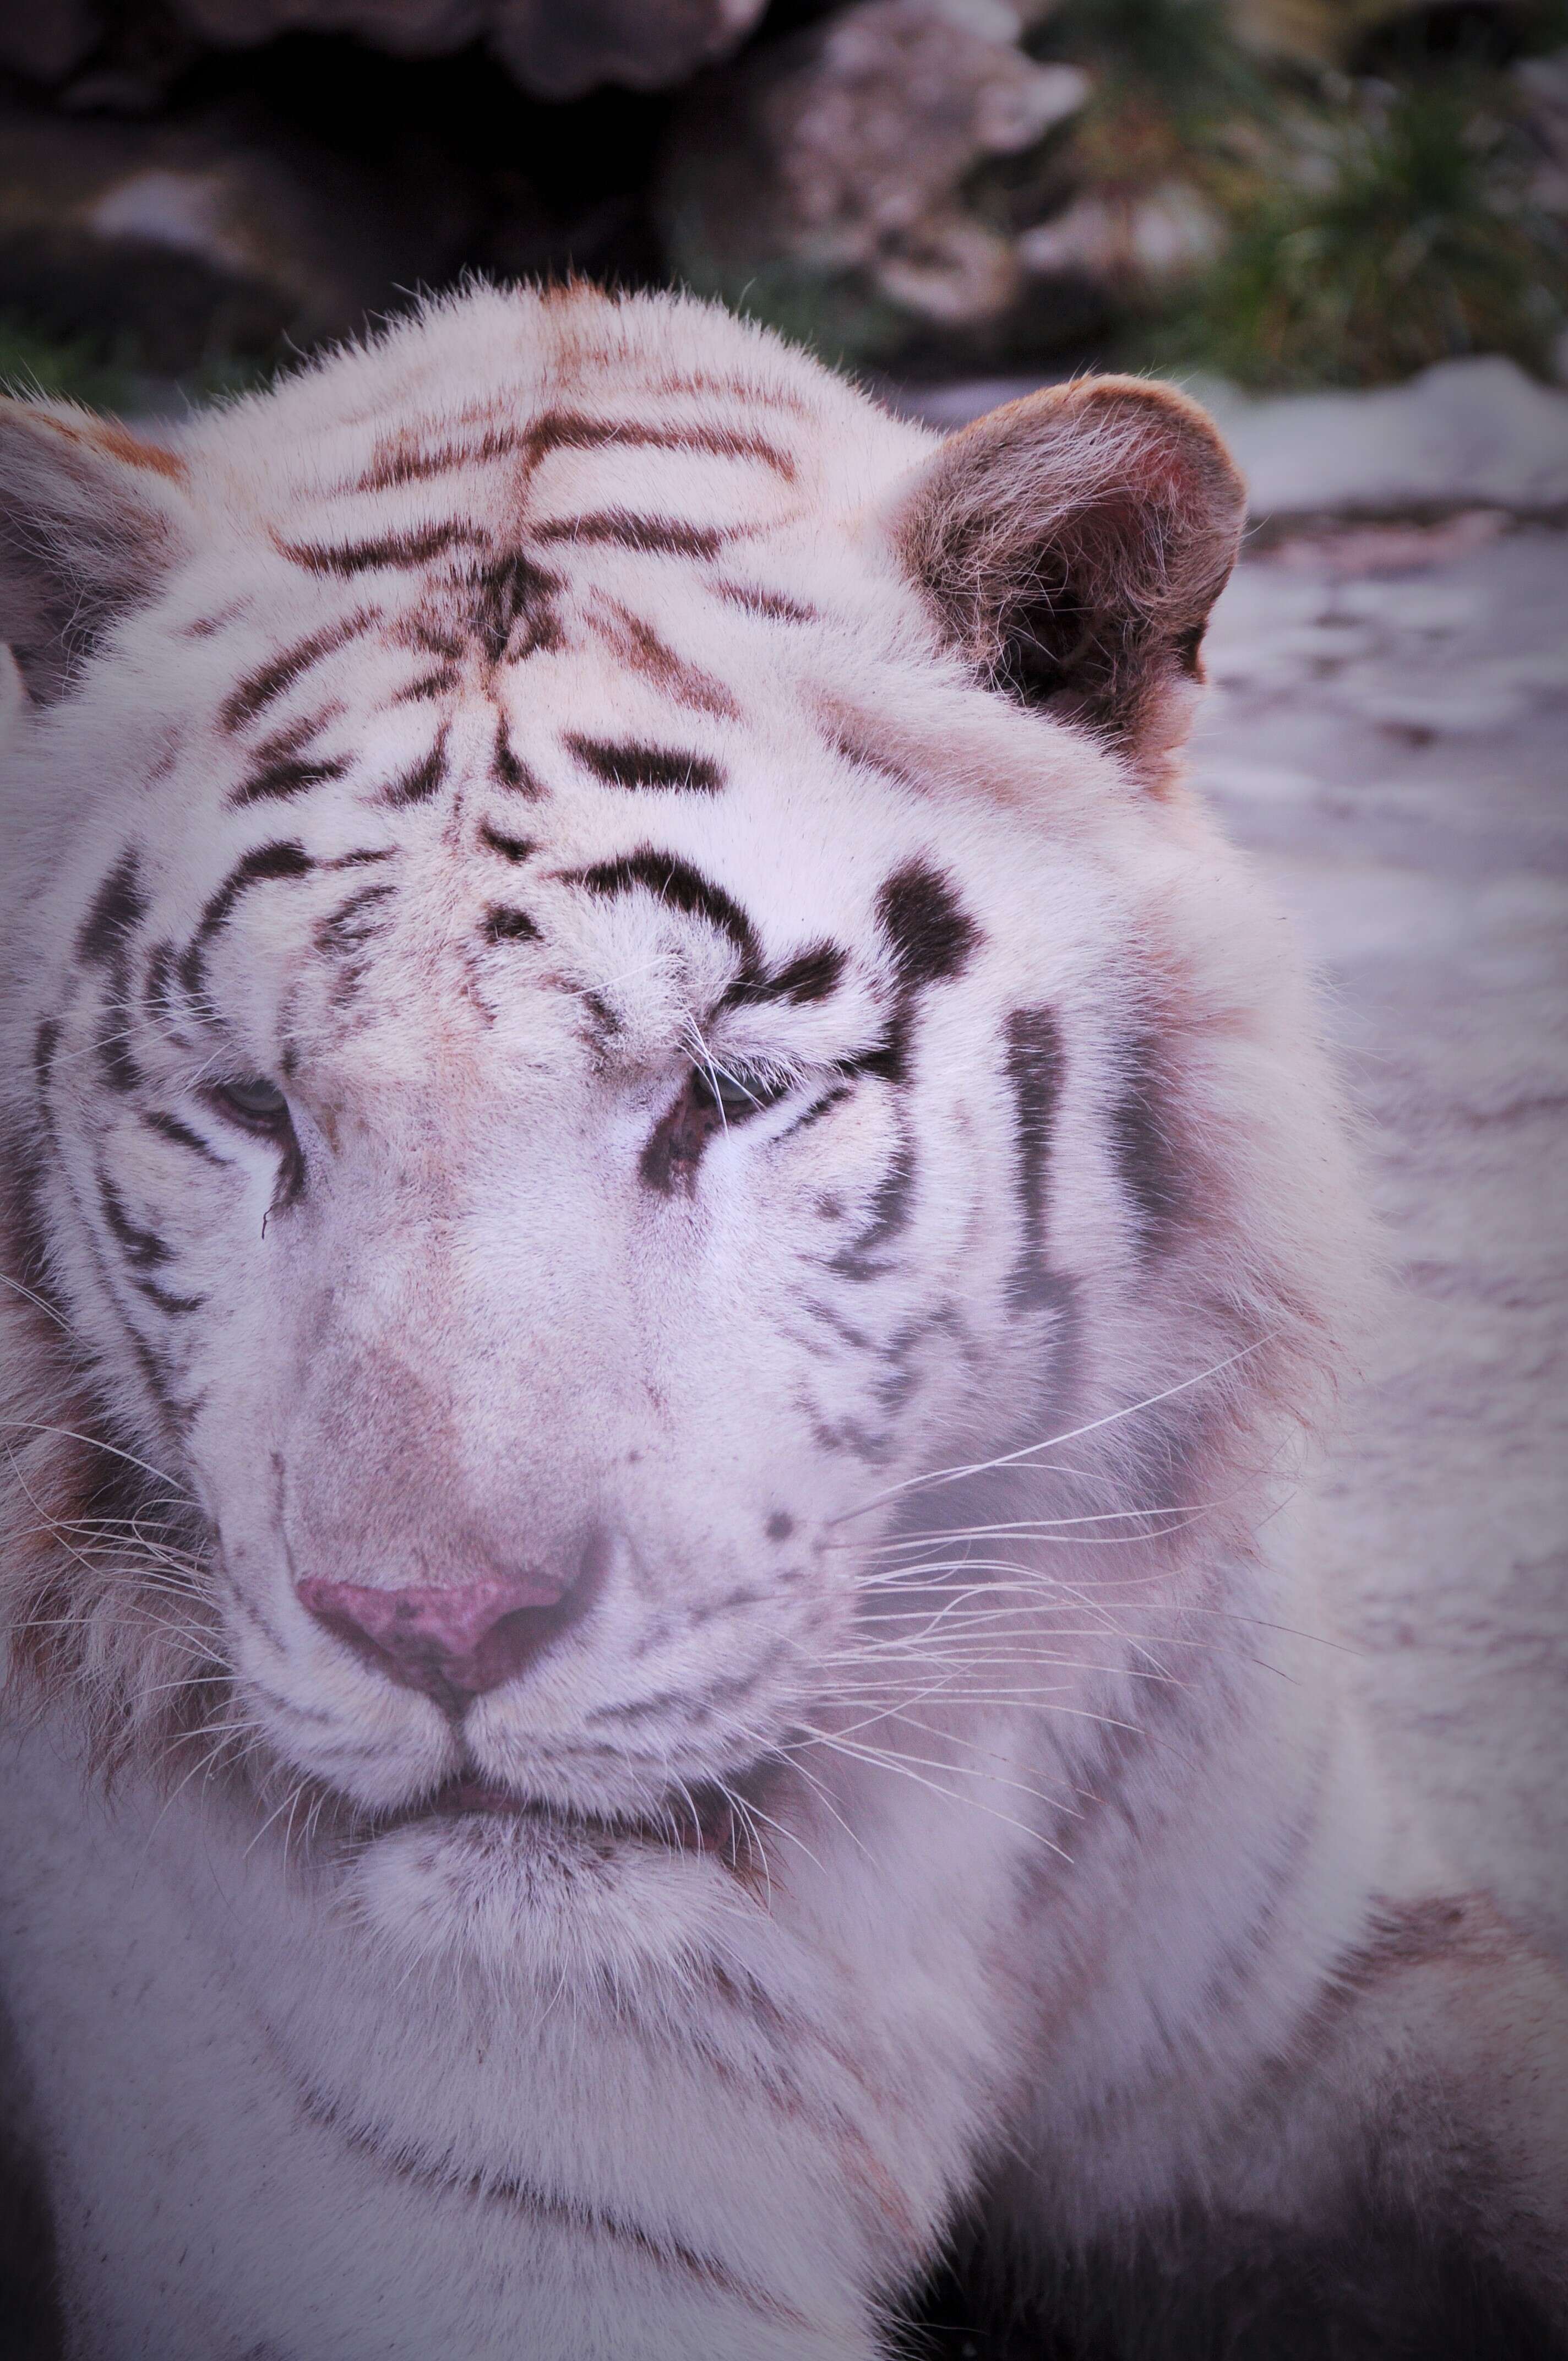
(1073, 543)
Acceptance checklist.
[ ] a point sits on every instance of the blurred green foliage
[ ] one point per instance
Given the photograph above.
(1178, 57)
(1398, 231)
(106, 374)
(62, 368)
(1368, 219)
(1372, 223)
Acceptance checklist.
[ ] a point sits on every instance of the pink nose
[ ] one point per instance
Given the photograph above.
(453, 1640)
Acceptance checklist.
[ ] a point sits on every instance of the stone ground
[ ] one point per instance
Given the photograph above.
(1388, 731)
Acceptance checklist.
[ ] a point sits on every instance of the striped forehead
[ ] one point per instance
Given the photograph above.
(544, 681)
(602, 882)
(637, 908)
(587, 688)
(608, 621)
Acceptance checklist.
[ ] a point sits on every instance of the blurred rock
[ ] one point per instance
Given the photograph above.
(1141, 240)
(1464, 432)
(1543, 85)
(845, 152)
(1325, 31)
(178, 242)
(47, 38)
(555, 49)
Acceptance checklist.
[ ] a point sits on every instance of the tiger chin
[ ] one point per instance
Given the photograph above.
(676, 1254)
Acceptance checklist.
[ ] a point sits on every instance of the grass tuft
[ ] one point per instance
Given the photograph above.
(1405, 234)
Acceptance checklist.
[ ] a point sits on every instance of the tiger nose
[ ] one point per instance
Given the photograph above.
(453, 1641)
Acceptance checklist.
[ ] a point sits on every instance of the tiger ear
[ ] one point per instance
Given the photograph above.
(91, 517)
(1073, 543)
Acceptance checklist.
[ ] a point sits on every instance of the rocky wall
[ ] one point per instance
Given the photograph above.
(189, 185)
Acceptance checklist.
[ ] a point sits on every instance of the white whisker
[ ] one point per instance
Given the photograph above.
(1052, 1442)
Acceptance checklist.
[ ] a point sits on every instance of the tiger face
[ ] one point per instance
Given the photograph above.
(617, 1001)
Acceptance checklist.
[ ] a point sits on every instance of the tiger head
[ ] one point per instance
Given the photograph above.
(623, 1037)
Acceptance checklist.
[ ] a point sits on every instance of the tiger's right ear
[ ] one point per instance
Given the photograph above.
(91, 518)
(1072, 546)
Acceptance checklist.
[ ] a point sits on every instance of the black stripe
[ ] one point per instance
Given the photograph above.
(117, 1487)
(735, 388)
(930, 935)
(46, 1042)
(284, 766)
(428, 685)
(419, 631)
(677, 883)
(1034, 1072)
(175, 1306)
(673, 676)
(657, 536)
(603, 1015)
(513, 774)
(397, 550)
(888, 1057)
(261, 863)
(849, 1436)
(290, 1182)
(114, 912)
(404, 462)
(258, 690)
(350, 925)
(287, 778)
(177, 1415)
(144, 1248)
(158, 991)
(205, 626)
(426, 778)
(511, 609)
(1147, 1155)
(830, 1316)
(635, 765)
(561, 430)
(812, 974)
(504, 926)
(168, 1127)
(669, 1162)
(510, 848)
(814, 1113)
(891, 1208)
(115, 1061)
(772, 603)
(117, 910)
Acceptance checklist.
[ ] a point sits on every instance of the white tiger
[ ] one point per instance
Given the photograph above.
(674, 1231)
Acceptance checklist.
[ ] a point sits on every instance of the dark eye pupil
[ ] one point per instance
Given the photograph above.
(735, 1096)
(254, 1099)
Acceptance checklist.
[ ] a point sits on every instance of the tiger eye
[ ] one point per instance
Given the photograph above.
(254, 1100)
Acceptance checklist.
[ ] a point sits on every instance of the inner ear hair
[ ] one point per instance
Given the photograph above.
(91, 516)
(1072, 545)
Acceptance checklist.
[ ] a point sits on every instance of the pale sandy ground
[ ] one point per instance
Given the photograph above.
(1394, 745)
